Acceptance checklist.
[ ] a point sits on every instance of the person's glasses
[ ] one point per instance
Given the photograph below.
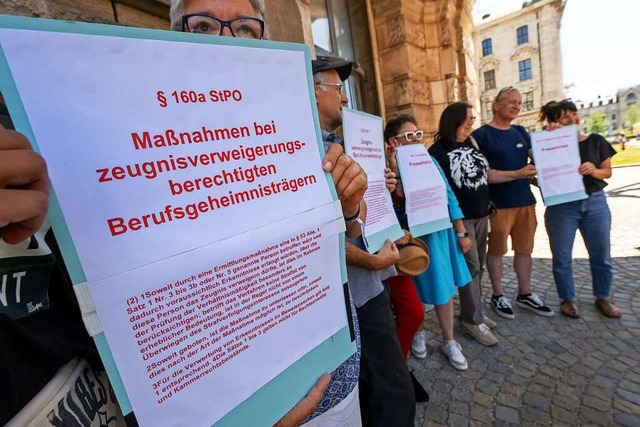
(336, 85)
(411, 136)
(504, 90)
(202, 23)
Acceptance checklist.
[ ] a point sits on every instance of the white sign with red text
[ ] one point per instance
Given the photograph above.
(364, 142)
(425, 190)
(192, 191)
(557, 158)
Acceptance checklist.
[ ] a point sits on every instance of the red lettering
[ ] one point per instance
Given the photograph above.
(116, 226)
(103, 177)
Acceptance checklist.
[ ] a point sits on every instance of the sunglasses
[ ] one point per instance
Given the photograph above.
(412, 136)
(504, 91)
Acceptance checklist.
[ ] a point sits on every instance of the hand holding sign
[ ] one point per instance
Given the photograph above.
(24, 187)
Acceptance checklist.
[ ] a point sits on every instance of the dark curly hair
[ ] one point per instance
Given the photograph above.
(394, 124)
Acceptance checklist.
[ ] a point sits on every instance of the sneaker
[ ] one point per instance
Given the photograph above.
(480, 333)
(419, 345)
(453, 351)
(489, 322)
(534, 303)
(502, 306)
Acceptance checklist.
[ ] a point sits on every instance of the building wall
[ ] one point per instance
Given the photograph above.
(415, 56)
(137, 13)
(614, 108)
(425, 56)
(542, 19)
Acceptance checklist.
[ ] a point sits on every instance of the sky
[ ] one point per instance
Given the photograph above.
(600, 44)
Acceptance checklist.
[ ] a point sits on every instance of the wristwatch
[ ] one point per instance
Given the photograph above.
(460, 235)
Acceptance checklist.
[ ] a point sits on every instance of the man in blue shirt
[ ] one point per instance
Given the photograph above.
(507, 148)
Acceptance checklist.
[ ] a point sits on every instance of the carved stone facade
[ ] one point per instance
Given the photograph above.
(426, 56)
(522, 49)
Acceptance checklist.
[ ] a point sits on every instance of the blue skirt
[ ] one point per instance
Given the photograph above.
(447, 268)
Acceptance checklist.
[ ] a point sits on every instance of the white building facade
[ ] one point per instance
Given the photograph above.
(521, 49)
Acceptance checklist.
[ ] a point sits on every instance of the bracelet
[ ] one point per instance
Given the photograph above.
(461, 235)
(354, 217)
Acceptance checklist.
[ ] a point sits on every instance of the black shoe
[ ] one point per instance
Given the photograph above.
(418, 391)
(502, 306)
(534, 303)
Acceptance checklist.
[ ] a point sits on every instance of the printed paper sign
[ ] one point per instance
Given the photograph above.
(191, 188)
(364, 142)
(425, 191)
(557, 159)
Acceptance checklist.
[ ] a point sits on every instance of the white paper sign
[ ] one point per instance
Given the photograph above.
(190, 179)
(425, 191)
(364, 142)
(557, 159)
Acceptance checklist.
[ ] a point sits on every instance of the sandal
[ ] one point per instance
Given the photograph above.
(570, 309)
(607, 308)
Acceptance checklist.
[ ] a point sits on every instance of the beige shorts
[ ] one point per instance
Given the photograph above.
(519, 223)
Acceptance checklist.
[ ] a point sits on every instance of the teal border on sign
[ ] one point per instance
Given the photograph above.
(375, 242)
(560, 198)
(565, 198)
(430, 227)
(275, 398)
(427, 227)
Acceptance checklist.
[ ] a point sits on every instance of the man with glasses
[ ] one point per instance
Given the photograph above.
(508, 149)
(386, 391)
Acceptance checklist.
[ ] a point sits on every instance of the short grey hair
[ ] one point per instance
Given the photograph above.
(177, 10)
(319, 78)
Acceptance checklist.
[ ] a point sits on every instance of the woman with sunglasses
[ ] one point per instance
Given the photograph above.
(447, 269)
(591, 216)
(467, 171)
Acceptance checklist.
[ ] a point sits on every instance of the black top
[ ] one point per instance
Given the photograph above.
(41, 328)
(467, 171)
(595, 149)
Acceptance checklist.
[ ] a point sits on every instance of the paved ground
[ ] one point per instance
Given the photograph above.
(555, 371)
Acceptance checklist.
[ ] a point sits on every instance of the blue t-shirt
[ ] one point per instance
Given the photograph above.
(507, 150)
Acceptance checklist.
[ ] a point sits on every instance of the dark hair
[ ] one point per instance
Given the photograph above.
(394, 124)
(451, 119)
(552, 111)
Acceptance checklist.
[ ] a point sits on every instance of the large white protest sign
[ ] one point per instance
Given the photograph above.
(557, 159)
(425, 191)
(364, 142)
(190, 197)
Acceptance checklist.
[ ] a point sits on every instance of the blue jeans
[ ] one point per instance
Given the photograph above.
(593, 218)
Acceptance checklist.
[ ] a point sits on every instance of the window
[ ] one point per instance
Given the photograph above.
(339, 28)
(631, 99)
(527, 101)
(524, 69)
(522, 34)
(613, 117)
(487, 112)
(489, 79)
(487, 48)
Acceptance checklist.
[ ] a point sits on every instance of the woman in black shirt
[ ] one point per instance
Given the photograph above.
(591, 216)
(467, 171)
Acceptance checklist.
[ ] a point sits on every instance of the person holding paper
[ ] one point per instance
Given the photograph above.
(507, 148)
(591, 216)
(48, 341)
(467, 171)
(339, 405)
(447, 269)
(386, 392)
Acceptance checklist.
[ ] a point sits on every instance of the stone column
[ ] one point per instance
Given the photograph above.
(425, 56)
